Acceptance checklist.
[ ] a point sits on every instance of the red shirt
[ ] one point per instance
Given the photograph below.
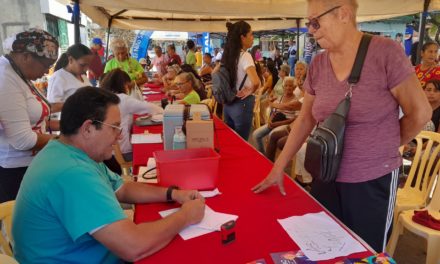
(428, 74)
(174, 59)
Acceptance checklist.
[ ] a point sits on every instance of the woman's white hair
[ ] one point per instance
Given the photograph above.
(118, 43)
(289, 79)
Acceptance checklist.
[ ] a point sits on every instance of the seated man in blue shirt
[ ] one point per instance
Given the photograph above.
(67, 209)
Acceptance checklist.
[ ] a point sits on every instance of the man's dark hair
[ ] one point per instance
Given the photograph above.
(190, 44)
(87, 103)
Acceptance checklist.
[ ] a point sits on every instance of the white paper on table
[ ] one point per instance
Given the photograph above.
(150, 92)
(320, 237)
(146, 138)
(208, 194)
(211, 222)
(406, 162)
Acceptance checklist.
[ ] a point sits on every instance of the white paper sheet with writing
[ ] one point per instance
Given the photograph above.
(211, 222)
(320, 237)
(146, 138)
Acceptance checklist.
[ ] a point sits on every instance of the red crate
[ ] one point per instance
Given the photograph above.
(188, 168)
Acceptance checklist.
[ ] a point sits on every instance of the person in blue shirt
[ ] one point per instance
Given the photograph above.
(67, 209)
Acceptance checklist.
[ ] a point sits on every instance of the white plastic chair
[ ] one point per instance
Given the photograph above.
(5, 259)
(6, 210)
(432, 236)
(424, 167)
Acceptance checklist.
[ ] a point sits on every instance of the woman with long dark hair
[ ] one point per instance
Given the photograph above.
(118, 81)
(240, 65)
(70, 73)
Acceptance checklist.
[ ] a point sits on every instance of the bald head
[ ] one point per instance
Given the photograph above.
(352, 6)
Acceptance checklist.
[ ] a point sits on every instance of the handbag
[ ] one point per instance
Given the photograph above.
(325, 145)
(278, 116)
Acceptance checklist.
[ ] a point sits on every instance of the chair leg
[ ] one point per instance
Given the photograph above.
(432, 252)
(397, 230)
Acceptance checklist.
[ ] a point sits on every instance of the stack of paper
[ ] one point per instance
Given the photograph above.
(145, 138)
(210, 223)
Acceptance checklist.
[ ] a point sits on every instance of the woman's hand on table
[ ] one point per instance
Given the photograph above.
(183, 196)
(274, 178)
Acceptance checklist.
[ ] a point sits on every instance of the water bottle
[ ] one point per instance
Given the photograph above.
(179, 139)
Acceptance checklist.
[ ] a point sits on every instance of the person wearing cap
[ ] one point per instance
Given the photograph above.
(23, 110)
(70, 73)
(143, 63)
(124, 62)
(96, 67)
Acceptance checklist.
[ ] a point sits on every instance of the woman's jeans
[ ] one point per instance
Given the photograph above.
(239, 114)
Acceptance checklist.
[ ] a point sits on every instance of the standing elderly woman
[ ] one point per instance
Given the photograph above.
(70, 73)
(238, 115)
(364, 192)
(186, 82)
(23, 110)
(125, 63)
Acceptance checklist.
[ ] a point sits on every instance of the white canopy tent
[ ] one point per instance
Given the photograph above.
(211, 15)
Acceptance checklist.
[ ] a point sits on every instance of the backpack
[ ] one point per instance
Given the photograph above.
(221, 86)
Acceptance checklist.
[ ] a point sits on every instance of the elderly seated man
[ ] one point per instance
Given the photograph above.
(67, 209)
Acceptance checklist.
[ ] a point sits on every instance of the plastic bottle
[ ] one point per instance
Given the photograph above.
(179, 139)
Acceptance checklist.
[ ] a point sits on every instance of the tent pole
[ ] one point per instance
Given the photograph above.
(297, 38)
(109, 25)
(76, 21)
(422, 29)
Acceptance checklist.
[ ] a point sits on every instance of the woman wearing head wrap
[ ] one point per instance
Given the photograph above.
(23, 110)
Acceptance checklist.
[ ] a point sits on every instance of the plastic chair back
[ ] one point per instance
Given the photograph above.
(6, 210)
(425, 164)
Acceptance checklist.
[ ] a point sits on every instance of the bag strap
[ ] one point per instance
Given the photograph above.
(355, 74)
(242, 82)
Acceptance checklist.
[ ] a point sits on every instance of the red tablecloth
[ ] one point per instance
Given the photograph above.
(257, 231)
(154, 88)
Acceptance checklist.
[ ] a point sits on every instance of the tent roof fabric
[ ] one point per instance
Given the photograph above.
(212, 15)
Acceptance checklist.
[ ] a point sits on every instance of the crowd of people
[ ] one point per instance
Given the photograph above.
(293, 97)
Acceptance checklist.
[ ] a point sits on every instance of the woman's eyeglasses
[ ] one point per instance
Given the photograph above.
(118, 129)
(314, 22)
(180, 83)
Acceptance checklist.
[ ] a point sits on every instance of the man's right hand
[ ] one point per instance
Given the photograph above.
(194, 210)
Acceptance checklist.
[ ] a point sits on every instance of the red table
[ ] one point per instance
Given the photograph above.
(257, 232)
(154, 88)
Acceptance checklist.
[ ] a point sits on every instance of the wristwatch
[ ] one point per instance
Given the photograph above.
(169, 193)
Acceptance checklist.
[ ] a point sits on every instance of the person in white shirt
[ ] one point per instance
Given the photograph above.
(218, 56)
(159, 62)
(23, 110)
(118, 82)
(70, 73)
(238, 114)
